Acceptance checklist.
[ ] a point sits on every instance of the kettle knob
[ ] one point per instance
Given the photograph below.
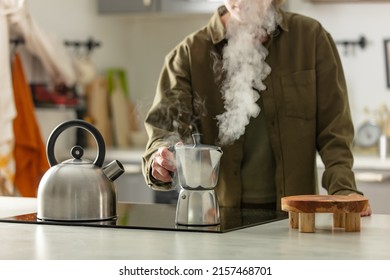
(77, 151)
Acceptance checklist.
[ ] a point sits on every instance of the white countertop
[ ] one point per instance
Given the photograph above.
(274, 241)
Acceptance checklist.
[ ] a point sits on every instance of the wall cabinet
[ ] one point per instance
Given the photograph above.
(163, 6)
(190, 6)
(133, 6)
(158, 6)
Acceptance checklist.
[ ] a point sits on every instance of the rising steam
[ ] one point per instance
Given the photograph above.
(245, 67)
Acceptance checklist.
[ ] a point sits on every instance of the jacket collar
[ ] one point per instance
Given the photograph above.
(217, 31)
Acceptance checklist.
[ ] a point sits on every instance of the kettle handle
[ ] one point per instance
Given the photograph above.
(76, 123)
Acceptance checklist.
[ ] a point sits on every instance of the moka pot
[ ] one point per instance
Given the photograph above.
(197, 172)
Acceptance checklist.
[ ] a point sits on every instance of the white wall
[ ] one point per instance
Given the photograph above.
(139, 43)
(78, 20)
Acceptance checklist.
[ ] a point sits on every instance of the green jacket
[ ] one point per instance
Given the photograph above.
(305, 105)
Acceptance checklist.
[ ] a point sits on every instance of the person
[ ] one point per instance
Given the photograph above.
(268, 87)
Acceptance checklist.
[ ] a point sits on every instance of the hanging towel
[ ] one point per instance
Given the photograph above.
(7, 105)
(29, 151)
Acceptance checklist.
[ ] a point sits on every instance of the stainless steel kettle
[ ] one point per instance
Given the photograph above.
(78, 189)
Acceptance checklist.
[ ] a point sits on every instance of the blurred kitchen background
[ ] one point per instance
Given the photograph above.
(118, 46)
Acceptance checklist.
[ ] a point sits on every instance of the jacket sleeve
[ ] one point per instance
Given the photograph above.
(335, 130)
(169, 119)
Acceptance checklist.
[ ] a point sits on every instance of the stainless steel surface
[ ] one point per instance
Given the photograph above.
(197, 208)
(77, 189)
(197, 172)
(113, 170)
(197, 166)
(76, 192)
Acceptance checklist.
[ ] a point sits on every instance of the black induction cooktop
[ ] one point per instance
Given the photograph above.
(162, 217)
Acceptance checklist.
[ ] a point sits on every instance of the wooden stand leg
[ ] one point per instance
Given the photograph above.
(306, 222)
(293, 218)
(339, 220)
(352, 222)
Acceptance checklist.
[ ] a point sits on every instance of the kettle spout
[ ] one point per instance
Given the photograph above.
(113, 170)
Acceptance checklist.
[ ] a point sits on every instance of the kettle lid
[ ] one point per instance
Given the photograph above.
(77, 152)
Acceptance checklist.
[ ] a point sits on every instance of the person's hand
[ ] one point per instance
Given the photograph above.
(163, 165)
(368, 210)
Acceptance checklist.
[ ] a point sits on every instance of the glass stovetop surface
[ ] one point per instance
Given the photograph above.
(162, 217)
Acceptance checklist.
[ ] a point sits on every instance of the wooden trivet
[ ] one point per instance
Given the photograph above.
(346, 210)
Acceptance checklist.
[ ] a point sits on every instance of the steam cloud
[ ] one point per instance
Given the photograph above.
(245, 67)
